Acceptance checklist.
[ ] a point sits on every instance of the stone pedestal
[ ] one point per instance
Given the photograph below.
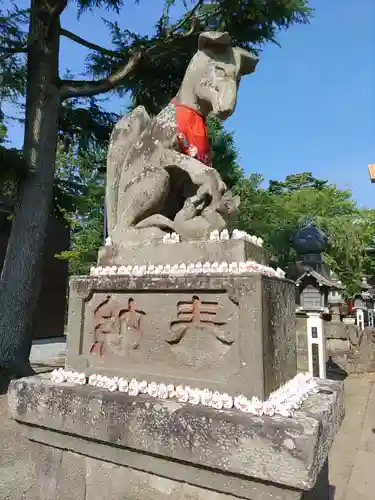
(185, 251)
(229, 333)
(89, 444)
(234, 334)
(370, 313)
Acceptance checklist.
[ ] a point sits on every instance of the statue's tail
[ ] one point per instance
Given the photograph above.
(157, 220)
(123, 137)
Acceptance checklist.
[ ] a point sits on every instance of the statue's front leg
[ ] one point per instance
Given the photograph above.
(207, 179)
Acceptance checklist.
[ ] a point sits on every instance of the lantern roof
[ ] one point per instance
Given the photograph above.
(322, 280)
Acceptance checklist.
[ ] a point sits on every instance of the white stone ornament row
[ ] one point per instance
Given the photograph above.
(284, 401)
(62, 375)
(237, 234)
(188, 269)
(171, 238)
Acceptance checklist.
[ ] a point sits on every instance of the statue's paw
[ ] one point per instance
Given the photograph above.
(229, 203)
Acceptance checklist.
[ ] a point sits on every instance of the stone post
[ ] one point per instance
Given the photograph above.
(370, 313)
(316, 344)
(360, 316)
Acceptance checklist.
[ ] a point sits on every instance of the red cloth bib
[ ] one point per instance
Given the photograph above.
(192, 135)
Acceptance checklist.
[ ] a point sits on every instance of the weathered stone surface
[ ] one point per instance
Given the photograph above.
(161, 469)
(336, 329)
(229, 333)
(110, 481)
(107, 480)
(159, 179)
(183, 252)
(288, 452)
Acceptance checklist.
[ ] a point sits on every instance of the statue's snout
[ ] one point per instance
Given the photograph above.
(225, 103)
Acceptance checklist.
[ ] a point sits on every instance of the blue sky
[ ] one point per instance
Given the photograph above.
(309, 106)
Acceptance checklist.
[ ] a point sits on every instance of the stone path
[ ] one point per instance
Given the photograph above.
(352, 458)
(51, 351)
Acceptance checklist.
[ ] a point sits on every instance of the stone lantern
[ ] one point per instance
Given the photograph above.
(313, 286)
(364, 303)
(335, 299)
(313, 289)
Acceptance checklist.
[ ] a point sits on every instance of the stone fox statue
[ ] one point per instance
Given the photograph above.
(159, 174)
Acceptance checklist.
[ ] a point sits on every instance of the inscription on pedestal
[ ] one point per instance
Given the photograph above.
(197, 334)
(116, 329)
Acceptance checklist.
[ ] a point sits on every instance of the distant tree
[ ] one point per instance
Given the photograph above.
(295, 182)
(276, 212)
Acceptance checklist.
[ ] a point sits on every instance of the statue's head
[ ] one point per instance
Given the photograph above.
(215, 71)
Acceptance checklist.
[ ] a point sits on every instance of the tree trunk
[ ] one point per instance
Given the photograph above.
(19, 285)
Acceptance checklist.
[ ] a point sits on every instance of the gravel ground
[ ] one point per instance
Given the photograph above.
(14, 453)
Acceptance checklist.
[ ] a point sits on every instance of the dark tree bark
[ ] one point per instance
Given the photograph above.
(19, 285)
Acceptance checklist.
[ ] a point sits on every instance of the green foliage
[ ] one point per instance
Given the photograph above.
(276, 212)
(12, 166)
(80, 179)
(224, 153)
(295, 182)
(12, 88)
(13, 23)
(85, 123)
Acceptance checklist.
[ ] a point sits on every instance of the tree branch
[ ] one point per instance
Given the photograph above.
(188, 18)
(83, 88)
(89, 45)
(13, 50)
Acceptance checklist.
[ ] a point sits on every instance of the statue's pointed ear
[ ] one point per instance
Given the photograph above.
(247, 61)
(213, 39)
